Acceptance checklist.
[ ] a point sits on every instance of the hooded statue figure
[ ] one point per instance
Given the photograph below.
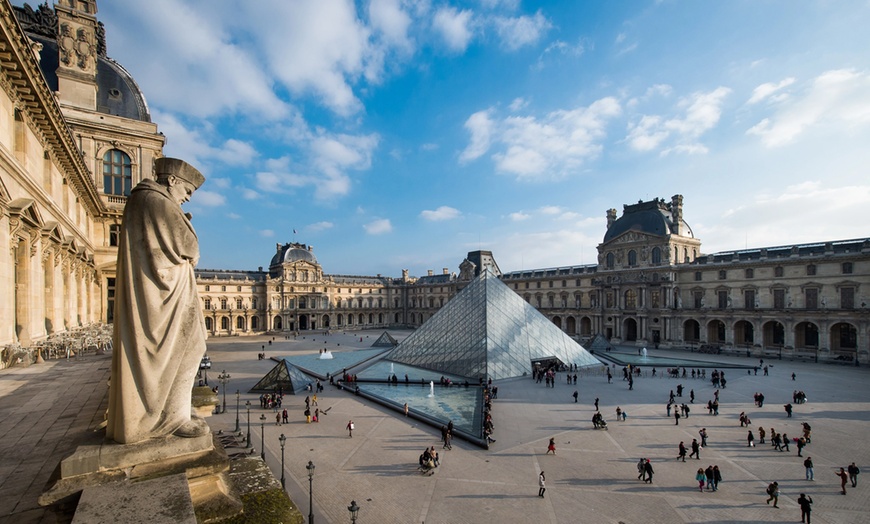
(159, 331)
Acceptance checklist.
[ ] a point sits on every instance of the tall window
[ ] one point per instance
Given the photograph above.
(114, 234)
(208, 303)
(722, 295)
(117, 173)
(698, 299)
(749, 299)
(811, 269)
(238, 303)
(609, 260)
(631, 299)
(110, 302)
(779, 299)
(812, 298)
(223, 303)
(656, 256)
(847, 268)
(778, 271)
(632, 258)
(655, 299)
(847, 298)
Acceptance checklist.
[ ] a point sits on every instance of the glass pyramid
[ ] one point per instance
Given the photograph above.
(385, 341)
(283, 375)
(488, 331)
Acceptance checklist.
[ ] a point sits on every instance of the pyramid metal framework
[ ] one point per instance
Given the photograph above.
(284, 376)
(385, 341)
(488, 331)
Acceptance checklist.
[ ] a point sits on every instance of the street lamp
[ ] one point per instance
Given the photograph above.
(224, 378)
(282, 439)
(248, 406)
(310, 468)
(263, 436)
(237, 410)
(354, 509)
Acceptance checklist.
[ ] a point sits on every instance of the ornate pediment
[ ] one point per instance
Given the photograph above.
(634, 237)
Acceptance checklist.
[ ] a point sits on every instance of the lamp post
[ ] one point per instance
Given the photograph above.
(310, 468)
(263, 436)
(224, 379)
(353, 509)
(248, 406)
(282, 439)
(238, 395)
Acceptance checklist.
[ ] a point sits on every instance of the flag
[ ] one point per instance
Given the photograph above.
(294, 231)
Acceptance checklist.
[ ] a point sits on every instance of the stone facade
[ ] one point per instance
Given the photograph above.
(652, 287)
(75, 136)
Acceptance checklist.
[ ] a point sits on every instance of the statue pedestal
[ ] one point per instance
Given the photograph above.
(109, 475)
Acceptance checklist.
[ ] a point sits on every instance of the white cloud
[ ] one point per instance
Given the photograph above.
(551, 146)
(319, 226)
(518, 104)
(700, 112)
(234, 216)
(429, 147)
(516, 32)
(519, 216)
(236, 152)
(550, 210)
(440, 214)
(220, 182)
(455, 27)
(250, 194)
(479, 126)
(378, 227)
(208, 198)
(837, 98)
(267, 233)
(765, 90)
(620, 38)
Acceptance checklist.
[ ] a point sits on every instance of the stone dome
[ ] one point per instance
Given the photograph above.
(653, 218)
(293, 253)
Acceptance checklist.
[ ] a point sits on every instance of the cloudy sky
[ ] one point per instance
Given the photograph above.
(395, 134)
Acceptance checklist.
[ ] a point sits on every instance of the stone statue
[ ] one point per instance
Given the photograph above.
(159, 331)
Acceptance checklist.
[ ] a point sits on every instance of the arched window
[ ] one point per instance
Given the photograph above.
(255, 323)
(240, 323)
(225, 323)
(610, 260)
(656, 256)
(117, 173)
(630, 299)
(632, 258)
(208, 323)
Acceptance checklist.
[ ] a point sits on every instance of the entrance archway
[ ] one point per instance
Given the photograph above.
(844, 337)
(744, 333)
(629, 329)
(806, 336)
(557, 321)
(692, 331)
(571, 326)
(716, 332)
(774, 334)
(276, 323)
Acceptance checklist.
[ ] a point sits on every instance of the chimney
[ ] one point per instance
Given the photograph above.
(429, 272)
(677, 214)
(445, 271)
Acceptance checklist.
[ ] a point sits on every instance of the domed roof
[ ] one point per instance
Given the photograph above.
(117, 92)
(652, 218)
(293, 253)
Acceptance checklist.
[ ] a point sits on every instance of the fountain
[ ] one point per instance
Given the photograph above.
(643, 356)
(431, 389)
(392, 371)
(326, 355)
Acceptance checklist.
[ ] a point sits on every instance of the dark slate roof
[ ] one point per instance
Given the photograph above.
(117, 92)
(229, 274)
(653, 217)
(839, 247)
(293, 252)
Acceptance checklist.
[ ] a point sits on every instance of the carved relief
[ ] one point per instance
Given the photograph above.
(66, 44)
(78, 49)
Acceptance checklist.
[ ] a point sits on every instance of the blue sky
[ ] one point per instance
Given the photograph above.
(400, 134)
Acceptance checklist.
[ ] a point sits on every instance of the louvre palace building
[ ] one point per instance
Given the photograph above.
(76, 135)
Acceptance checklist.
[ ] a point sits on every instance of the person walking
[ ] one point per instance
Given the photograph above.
(541, 486)
(788, 409)
(773, 492)
(703, 434)
(677, 417)
(696, 450)
(808, 464)
(701, 477)
(750, 440)
(761, 434)
(576, 394)
(853, 474)
(717, 477)
(648, 469)
(843, 478)
(551, 446)
(641, 472)
(596, 403)
(350, 428)
(682, 452)
(806, 504)
(618, 413)
(709, 474)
